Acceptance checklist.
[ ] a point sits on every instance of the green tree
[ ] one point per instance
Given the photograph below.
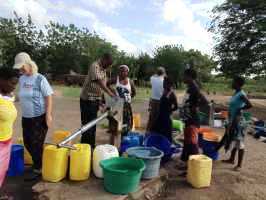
(145, 67)
(202, 63)
(240, 30)
(64, 48)
(172, 57)
(17, 35)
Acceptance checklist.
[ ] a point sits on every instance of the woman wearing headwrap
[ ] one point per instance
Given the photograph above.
(125, 89)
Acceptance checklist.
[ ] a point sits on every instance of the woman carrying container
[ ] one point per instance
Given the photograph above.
(35, 96)
(125, 89)
(8, 113)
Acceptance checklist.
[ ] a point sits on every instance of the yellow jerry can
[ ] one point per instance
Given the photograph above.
(199, 171)
(137, 120)
(55, 163)
(80, 162)
(59, 135)
(27, 156)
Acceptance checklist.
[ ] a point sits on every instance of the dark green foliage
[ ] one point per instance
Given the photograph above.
(240, 30)
(58, 49)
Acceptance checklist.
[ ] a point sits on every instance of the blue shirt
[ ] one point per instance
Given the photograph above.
(236, 103)
(32, 92)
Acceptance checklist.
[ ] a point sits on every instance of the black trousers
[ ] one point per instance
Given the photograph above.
(34, 133)
(88, 111)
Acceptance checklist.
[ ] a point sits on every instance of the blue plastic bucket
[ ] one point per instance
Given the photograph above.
(151, 157)
(131, 140)
(139, 135)
(16, 164)
(200, 140)
(162, 143)
(209, 149)
(214, 155)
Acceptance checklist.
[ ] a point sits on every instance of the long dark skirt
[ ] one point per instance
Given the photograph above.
(127, 119)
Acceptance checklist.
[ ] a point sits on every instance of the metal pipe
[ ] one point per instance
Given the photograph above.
(83, 129)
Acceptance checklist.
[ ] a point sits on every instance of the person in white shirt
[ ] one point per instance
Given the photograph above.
(156, 94)
(125, 89)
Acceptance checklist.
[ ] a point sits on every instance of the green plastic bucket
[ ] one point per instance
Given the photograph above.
(122, 175)
(178, 125)
(247, 116)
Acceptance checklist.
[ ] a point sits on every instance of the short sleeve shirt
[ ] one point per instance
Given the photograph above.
(156, 87)
(91, 89)
(236, 103)
(191, 104)
(32, 92)
(8, 114)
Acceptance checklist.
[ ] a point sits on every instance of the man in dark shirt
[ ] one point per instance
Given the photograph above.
(192, 101)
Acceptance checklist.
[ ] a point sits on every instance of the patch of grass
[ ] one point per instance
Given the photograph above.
(225, 88)
(142, 94)
(73, 92)
(145, 93)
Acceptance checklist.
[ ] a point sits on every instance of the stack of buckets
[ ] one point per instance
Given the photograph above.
(208, 141)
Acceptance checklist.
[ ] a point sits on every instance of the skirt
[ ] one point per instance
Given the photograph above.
(127, 118)
(5, 150)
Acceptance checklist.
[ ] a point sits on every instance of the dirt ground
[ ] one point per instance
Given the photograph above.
(249, 184)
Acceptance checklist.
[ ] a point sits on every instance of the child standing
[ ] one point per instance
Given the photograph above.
(168, 104)
(192, 101)
(235, 131)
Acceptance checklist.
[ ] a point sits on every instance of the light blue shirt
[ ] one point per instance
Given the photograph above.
(32, 92)
(236, 103)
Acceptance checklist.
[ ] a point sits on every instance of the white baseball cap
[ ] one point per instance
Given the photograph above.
(21, 59)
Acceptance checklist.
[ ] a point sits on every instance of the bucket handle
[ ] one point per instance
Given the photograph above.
(62, 146)
(119, 171)
(102, 165)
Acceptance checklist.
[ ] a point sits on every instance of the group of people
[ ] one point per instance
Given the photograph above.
(163, 102)
(35, 97)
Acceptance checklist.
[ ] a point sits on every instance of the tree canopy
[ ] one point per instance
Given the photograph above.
(59, 48)
(240, 33)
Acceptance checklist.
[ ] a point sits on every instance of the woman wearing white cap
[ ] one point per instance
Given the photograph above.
(35, 95)
(124, 89)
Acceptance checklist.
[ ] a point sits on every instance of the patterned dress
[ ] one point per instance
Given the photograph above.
(124, 92)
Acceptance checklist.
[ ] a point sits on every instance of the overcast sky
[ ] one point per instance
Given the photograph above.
(133, 25)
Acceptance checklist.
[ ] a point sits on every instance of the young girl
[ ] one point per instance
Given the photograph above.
(125, 89)
(168, 104)
(8, 114)
(192, 101)
(235, 131)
